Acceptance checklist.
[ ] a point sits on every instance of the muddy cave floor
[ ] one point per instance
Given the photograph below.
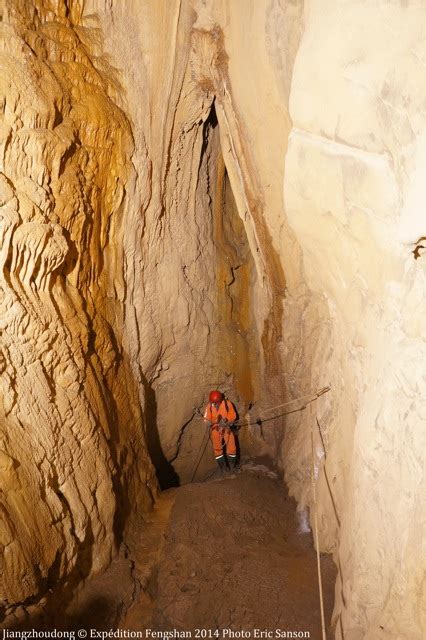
(225, 553)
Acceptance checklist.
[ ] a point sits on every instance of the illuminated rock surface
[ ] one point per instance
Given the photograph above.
(206, 194)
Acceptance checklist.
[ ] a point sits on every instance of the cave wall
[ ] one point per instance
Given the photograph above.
(73, 459)
(118, 215)
(319, 293)
(191, 256)
(225, 186)
(354, 197)
(331, 118)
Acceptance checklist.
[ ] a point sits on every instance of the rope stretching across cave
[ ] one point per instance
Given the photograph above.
(311, 397)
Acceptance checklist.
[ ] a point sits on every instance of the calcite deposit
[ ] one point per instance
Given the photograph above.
(73, 458)
(213, 193)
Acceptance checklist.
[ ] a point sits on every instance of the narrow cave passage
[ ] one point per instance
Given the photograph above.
(217, 552)
(234, 554)
(221, 552)
(202, 195)
(232, 346)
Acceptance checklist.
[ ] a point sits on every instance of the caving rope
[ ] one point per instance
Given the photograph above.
(203, 448)
(314, 502)
(204, 444)
(310, 397)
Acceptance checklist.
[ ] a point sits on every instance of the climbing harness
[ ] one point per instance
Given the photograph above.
(203, 445)
(237, 424)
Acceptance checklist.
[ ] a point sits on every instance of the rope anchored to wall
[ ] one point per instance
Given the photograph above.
(310, 397)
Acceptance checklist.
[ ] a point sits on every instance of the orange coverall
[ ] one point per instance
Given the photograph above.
(220, 433)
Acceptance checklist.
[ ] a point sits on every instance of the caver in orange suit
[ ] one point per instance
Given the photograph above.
(220, 412)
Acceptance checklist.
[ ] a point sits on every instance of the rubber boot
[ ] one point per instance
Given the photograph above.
(222, 465)
(233, 463)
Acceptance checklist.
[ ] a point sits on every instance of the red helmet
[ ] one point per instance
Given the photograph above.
(215, 396)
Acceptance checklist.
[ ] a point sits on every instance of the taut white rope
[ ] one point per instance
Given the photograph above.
(314, 501)
(310, 396)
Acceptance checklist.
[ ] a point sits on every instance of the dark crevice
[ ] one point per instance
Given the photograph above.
(167, 476)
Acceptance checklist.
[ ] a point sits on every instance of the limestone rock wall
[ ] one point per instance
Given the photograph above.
(122, 217)
(72, 456)
(205, 193)
(196, 274)
(354, 198)
(326, 292)
(329, 104)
